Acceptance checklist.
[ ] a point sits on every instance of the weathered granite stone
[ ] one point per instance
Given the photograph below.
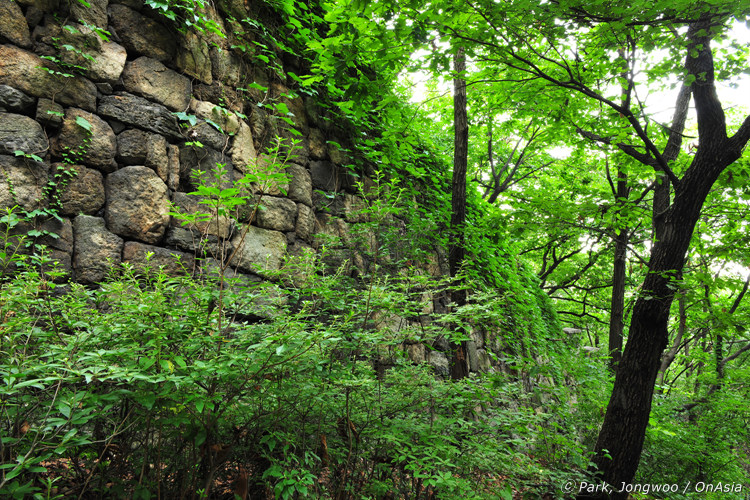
(318, 148)
(21, 133)
(94, 13)
(193, 241)
(484, 362)
(96, 249)
(226, 67)
(243, 148)
(260, 250)
(279, 214)
(24, 71)
(208, 135)
(140, 112)
(416, 353)
(300, 184)
(190, 204)
(305, 222)
(265, 168)
(49, 113)
(131, 146)
(13, 25)
(193, 58)
(141, 34)
(108, 63)
(137, 204)
(144, 257)
(149, 78)
(223, 117)
(21, 182)
(439, 362)
(173, 167)
(83, 193)
(14, 100)
(198, 165)
(325, 175)
(86, 138)
(471, 354)
(157, 158)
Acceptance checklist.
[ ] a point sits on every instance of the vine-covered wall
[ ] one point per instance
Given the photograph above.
(110, 111)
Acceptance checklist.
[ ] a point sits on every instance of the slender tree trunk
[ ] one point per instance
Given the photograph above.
(617, 306)
(669, 357)
(618, 448)
(456, 251)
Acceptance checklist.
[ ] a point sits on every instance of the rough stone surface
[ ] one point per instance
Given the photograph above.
(96, 249)
(94, 13)
(190, 204)
(300, 184)
(243, 148)
(23, 71)
(83, 193)
(108, 63)
(193, 241)
(208, 135)
(325, 176)
(224, 118)
(13, 25)
(439, 362)
(260, 251)
(141, 34)
(131, 146)
(137, 204)
(21, 182)
(173, 167)
(172, 262)
(149, 78)
(206, 160)
(21, 133)
(14, 100)
(279, 214)
(49, 113)
(305, 222)
(140, 112)
(194, 59)
(225, 66)
(157, 158)
(318, 148)
(95, 147)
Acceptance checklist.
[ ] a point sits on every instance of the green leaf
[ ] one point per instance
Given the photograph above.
(82, 122)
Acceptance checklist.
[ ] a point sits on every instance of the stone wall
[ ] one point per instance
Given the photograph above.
(105, 132)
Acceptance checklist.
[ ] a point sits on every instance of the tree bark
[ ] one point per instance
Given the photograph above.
(621, 438)
(456, 250)
(617, 305)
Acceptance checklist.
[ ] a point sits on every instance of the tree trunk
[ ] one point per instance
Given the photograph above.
(617, 305)
(621, 438)
(456, 250)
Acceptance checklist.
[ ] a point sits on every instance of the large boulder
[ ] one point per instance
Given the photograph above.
(259, 250)
(86, 138)
(300, 184)
(22, 182)
(96, 249)
(21, 133)
(82, 192)
(13, 25)
(142, 35)
(14, 100)
(137, 204)
(279, 214)
(151, 79)
(209, 223)
(26, 72)
(143, 257)
(139, 112)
